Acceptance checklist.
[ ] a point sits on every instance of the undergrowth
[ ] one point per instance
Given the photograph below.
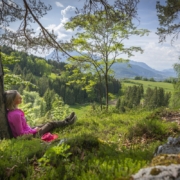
(99, 146)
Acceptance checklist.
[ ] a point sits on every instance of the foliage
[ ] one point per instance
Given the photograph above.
(132, 96)
(102, 40)
(11, 78)
(28, 13)
(33, 106)
(128, 9)
(175, 103)
(150, 128)
(168, 15)
(59, 110)
(101, 145)
(53, 154)
(25, 37)
(57, 81)
(156, 97)
(17, 156)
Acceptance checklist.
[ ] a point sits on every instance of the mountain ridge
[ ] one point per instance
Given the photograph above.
(122, 70)
(141, 69)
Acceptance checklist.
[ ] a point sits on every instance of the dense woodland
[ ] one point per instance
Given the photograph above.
(49, 77)
(38, 71)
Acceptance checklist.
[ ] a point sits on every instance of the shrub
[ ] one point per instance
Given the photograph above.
(151, 128)
(17, 156)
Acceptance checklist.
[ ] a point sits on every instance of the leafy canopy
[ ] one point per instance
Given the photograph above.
(100, 43)
(168, 15)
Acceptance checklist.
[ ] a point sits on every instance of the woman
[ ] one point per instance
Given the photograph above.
(17, 120)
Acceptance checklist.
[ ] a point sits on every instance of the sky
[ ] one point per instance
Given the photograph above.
(156, 55)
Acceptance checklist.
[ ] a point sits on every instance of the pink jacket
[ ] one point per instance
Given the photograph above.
(18, 124)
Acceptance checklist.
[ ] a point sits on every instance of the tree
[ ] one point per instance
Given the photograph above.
(156, 98)
(87, 80)
(168, 16)
(34, 106)
(118, 103)
(4, 131)
(49, 98)
(59, 110)
(128, 9)
(28, 12)
(175, 100)
(100, 43)
(132, 96)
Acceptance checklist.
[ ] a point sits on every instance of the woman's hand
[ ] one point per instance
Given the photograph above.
(37, 129)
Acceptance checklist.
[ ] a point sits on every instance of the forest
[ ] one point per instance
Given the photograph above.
(52, 76)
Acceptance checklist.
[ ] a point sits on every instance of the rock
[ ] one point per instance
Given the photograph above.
(165, 165)
(158, 173)
(165, 159)
(172, 147)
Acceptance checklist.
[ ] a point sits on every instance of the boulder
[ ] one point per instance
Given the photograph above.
(158, 173)
(172, 147)
(165, 165)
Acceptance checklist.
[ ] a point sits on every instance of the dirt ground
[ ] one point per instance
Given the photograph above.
(113, 102)
(172, 117)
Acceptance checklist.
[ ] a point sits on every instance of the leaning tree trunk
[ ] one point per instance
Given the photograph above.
(4, 128)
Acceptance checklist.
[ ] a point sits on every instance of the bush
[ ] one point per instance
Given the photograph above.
(151, 128)
(17, 156)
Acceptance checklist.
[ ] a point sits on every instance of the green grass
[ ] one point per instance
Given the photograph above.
(168, 87)
(81, 110)
(100, 145)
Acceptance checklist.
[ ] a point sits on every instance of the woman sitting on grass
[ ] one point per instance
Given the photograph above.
(17, 120)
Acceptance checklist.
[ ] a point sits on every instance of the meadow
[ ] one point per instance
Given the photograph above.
(100, 145)
(168, 87)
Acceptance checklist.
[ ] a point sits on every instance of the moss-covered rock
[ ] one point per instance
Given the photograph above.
(166, 159)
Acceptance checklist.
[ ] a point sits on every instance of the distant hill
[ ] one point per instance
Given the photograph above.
(122, 70)
(61, 57)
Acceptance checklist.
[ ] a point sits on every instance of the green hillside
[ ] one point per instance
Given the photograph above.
(168, 87)
(101, 145)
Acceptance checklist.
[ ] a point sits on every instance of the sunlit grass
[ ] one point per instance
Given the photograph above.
(168, 87)
(101, 145)
(81, 110)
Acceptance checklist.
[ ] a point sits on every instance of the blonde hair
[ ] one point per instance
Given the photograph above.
(10, 95)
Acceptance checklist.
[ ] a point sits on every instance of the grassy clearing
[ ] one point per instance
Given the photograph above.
(81, 110)
(168, 87)
(101, 145)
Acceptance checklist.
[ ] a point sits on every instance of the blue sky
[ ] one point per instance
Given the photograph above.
(156, 55)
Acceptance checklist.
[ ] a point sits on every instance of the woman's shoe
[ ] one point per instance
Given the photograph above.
(72, 121)
(70, 116)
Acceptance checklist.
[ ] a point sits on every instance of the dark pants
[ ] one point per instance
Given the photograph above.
(51, 126)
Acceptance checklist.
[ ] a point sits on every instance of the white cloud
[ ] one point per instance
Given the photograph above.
(58, 4)
(59, 30)
(158, 56)
(67, 13)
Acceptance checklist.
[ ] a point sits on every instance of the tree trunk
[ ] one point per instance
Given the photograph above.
(107, 91)
(100, 92)
(4, 128)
